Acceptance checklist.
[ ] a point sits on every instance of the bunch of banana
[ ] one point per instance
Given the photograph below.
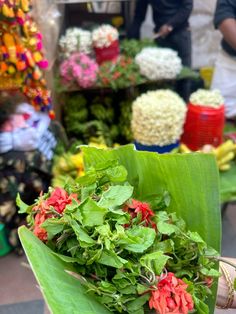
(224, 153)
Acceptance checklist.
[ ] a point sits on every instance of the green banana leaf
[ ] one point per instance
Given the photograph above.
(193, 184)
(228, 184)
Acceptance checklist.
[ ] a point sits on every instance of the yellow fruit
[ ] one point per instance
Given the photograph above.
(184, 148)
(224, 149)
(225, 167)
(230, 156)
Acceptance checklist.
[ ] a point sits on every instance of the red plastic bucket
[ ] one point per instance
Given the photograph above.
(203, 125)
(107, 53)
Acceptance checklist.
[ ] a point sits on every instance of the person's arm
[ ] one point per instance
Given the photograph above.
(225, 284)
(224, 20)
(228, 30)
(179, 18)
(139, 17)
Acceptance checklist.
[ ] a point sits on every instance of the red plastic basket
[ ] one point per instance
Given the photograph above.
(203, 125)
(107, 53)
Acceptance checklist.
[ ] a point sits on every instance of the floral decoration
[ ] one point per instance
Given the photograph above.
(119, 73)
(129, 255)
(158, 118)
(75, 40)
(80, 69)
(104, 36)
(207, 98)
(22, 60)
(158, 63)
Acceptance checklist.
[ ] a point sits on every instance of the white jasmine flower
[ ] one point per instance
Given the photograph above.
(207, 98)
(158, 63)
(75, 40)
(158, 118)
(104, 36)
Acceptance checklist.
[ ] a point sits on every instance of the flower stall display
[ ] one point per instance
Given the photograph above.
(75, 40)
(120, 73)
(205, 120)
(118, 248)
(207, 98)
(158, 118)
(79, 69)
(22, 60)
(106, 43)
(159, 63)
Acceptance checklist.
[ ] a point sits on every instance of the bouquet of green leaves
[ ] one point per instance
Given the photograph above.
(116, 248)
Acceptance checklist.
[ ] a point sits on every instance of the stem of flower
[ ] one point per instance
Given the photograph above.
(221, 259)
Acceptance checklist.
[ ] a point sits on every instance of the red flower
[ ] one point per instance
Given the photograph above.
(38, 231)
(170, 296)
(58, 199)
(137, 208)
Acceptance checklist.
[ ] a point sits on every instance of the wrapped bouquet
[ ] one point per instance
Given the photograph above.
(105, 41)
(158, 118)
(106, 246)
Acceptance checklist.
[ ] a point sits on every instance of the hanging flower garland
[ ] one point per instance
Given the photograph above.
(21, 58)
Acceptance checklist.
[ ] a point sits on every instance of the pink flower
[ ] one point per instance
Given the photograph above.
(170, 296)
(81, 69)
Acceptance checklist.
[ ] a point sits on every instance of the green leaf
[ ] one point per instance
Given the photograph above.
(62, 292)
(65, 258)
(138, 240)
(166, 228)
(200, 306)
(117, 174)
(138, 303)
(111, 259)
(82, 236)
(164, 246)
(234, 283)
(116, 196)
(209, 272)
(195, 237)
(155, 261)
(23, 208)
(53, 226)
(93, 215)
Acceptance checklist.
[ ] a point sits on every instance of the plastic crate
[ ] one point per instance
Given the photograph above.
(203, 125)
